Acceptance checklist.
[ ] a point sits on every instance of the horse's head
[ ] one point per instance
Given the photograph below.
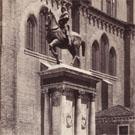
(51, 21)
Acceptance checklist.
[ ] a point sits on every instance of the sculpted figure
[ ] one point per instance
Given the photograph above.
(60, 35)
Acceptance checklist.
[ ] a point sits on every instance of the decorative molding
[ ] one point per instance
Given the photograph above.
(92, 97)
(121, 119)
(55, 95)
(101, 20)
(69, 121)
(70, 86)
(45, 91)
(68, 92)
(39, 56)
(81, 94)
(60, 3)
(103, 75)
(83, 123)
(80, 91)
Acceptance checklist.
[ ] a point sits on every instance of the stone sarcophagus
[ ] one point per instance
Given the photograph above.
(69, 101)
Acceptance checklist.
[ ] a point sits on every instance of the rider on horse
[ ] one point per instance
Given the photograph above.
(63, 23)
(59, 34)
(62, 35)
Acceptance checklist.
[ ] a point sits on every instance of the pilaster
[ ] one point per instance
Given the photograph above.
(92, 123)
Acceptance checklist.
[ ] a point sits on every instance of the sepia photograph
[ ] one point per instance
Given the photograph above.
(67, 67)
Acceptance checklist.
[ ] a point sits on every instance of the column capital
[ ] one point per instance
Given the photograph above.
(80, 94)
(92, 97)
(45, 90)
(67, 92)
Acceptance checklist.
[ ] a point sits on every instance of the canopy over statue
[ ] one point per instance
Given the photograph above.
(60, 35)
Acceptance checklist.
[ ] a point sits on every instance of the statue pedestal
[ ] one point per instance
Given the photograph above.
(69, 101)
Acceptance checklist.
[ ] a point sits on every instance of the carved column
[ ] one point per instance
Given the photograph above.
(63, 104)
(47, 115)
(92, 128)
(78, 114)
(56, 111)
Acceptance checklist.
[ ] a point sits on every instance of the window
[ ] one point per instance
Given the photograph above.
(31, 27)
(130, 10)
(104, 53)
(104, 95)
(112, 62)
(103, 5)
(113, 8)
(95, 56)
(109, 6)
(43, 46)
(123, 129)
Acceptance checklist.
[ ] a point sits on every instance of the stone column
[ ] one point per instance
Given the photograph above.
(92, 128)
(63, 103)
(56, 112)
(47, 115)
(78, 114)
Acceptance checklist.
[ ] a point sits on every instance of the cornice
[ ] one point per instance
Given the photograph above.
(103, 21)
(115, 119)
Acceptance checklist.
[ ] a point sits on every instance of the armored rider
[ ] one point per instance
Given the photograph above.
(63, 24)
(63, 36)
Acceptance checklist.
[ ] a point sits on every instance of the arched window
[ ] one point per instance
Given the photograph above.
(111, 7)
(114, 8)
(43, 47)
(108, 7)
(95, 56)
(103, 5)
(31, 27)
(112, 62)
(104, 53)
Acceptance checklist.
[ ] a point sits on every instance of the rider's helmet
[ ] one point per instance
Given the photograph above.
(64, 16)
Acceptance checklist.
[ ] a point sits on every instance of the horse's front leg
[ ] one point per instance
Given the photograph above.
(53, 46)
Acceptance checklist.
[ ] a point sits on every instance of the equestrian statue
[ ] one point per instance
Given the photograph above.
(59, 35)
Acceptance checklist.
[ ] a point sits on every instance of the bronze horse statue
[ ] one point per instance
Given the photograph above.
(55, 32)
